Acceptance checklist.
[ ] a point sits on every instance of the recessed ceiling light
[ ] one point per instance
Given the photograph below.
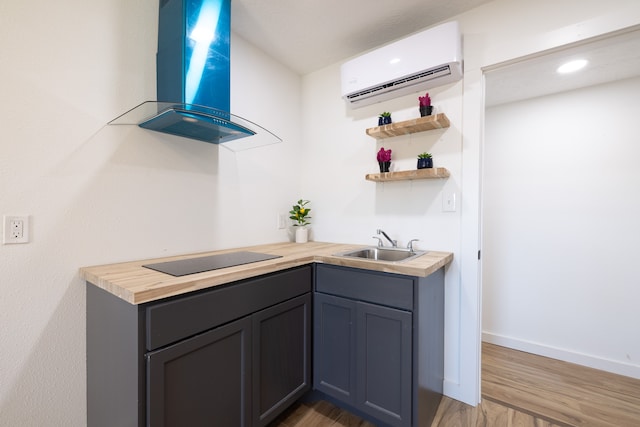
(572, 66)
(394, 61)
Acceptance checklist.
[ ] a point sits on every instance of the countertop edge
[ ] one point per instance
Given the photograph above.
(137, 285)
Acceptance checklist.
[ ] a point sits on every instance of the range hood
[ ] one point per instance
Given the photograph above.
(193, 77)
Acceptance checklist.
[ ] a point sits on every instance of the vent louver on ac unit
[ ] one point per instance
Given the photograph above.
(410, 80)
(428, 59)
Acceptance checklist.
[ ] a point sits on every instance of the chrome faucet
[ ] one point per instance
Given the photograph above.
(410, 244)
(379, 241)
(394, 243)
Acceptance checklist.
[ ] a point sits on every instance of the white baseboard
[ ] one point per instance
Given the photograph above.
(566, 355)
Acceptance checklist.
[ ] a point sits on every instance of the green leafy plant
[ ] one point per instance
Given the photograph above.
(300, 213)
(424, 155)
(385, 114)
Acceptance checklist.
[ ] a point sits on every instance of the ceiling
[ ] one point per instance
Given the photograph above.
(614, 57)
(307, 35)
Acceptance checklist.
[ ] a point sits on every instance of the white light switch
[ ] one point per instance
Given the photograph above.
(448, 202)
(282, 221)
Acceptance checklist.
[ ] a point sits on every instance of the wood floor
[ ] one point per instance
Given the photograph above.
(518, 389)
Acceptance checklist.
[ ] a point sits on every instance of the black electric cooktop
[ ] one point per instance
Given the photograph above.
(214, 262)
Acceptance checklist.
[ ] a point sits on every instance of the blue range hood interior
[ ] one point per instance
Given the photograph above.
(193, 76)
(185, 121)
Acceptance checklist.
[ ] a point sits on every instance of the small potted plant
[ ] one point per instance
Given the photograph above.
(425, 160)
(384, 159)
(299, 213)
(384, 119)
(425, 105)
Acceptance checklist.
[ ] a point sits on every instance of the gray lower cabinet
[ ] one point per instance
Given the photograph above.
(379, 343)
(281, 359)
(383, 365)
(363, 356)
(334, 344)
(236, 355)
(202, 381)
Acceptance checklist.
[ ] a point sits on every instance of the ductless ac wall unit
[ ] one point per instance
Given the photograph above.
(424, 60)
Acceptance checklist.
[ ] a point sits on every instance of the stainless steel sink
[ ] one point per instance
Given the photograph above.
(382, 254)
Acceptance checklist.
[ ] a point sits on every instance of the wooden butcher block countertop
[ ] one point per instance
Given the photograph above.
(137, 284)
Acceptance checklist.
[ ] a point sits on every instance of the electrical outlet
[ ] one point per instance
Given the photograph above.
(16, 229)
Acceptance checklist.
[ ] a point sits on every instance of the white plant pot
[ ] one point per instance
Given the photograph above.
(302, 235)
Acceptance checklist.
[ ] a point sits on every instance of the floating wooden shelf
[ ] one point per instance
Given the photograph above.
(421, 124)
(431, 173)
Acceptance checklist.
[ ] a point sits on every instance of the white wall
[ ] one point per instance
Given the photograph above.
(561, 227)
(100, 195)
(337, 155)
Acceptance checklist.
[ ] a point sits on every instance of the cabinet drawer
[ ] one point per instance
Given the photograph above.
(378, 288)
(177, 319)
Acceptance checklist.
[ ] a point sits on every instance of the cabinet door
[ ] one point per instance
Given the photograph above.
(281, 357)
(384, 363)
(202, 381)
(334, 351)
